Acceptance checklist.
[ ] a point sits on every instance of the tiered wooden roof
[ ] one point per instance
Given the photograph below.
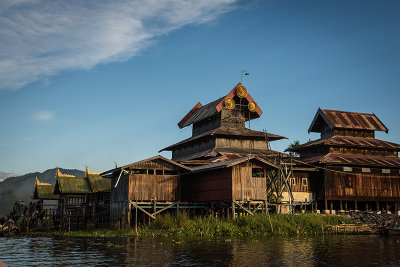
(225, 131)
(359, 148)
(199, 112)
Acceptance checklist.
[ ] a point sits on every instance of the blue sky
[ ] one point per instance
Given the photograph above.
(94, 83)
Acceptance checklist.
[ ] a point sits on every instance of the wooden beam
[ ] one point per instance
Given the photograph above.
(143, 210)
(161, 210)
(248, 211)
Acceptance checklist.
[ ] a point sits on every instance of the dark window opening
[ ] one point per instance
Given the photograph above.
(170, 172)
(258, 173)
(159, 172)
(150, 172)
(138, 171)
(304, 181)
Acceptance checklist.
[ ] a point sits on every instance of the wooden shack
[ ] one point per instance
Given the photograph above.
(355, 170)
(151, 183)
(83, 201)
(47, 201)
(242, 180)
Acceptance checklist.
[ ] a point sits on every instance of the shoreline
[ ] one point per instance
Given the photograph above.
(257, 225)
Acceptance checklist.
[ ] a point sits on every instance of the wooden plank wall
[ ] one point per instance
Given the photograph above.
(244, 186)
(362, 186)
(146, 187)
(207, 185)
(298, 187)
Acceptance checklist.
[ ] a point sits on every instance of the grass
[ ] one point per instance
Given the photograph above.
(257, 225)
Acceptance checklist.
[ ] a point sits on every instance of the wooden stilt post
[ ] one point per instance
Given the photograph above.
(377, 206)
(331, 206)
(387, 207)
(233, 210)
(266, 206)
(326, 204)
(341, 204)
(136, 218)
(366, 206)
(345, 206)
(355, 205)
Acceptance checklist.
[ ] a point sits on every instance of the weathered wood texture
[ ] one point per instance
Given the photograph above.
(207, 186)
(299, 186)
(240, 143)
(195, 147)
(362, 186)
(144, 187)
(244, 186)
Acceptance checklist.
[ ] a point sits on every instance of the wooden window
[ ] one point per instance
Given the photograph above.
(304, 181)
(292, 181)
(257, 172)
(159, 172)
(347, 169)
(150, 172)
(170, 172)
(366, 169)
(138, 171)
(386, 171)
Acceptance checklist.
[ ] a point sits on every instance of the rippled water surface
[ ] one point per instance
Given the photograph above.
(278, 251)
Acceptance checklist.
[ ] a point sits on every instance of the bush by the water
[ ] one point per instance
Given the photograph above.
(258, 224)
(181, 225)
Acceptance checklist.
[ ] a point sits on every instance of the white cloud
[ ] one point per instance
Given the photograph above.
(45, 115)
(40, 38)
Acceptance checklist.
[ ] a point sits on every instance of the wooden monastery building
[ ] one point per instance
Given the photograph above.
(84, 202)
(355, 170)
(226, 168)
(231, 163)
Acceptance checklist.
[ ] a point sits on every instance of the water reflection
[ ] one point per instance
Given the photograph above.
(275, 251)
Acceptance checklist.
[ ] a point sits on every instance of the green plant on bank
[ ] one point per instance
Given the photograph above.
(257, 225)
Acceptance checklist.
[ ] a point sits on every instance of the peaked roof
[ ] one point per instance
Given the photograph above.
(72, 185)
(199, 112)
(142, 164)
(44, 191)
(99, 183)
(233, 162)
(346, 120)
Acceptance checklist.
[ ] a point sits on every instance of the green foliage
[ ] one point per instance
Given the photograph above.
(257, 225)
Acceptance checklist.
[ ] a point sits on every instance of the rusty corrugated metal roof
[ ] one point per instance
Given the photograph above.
(228, 132)
(200, 113)
(347, 159)
(347, 120)
(348, 141)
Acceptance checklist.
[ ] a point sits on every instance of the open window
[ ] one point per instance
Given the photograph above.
(304, 182)
(257, 172)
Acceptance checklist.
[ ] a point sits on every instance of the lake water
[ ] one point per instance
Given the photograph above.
(342, 250)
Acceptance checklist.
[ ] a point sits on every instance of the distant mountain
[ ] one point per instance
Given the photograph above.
(21, 187)
(4, 175)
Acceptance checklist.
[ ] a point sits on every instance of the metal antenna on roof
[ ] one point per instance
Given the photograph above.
(245, 73)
